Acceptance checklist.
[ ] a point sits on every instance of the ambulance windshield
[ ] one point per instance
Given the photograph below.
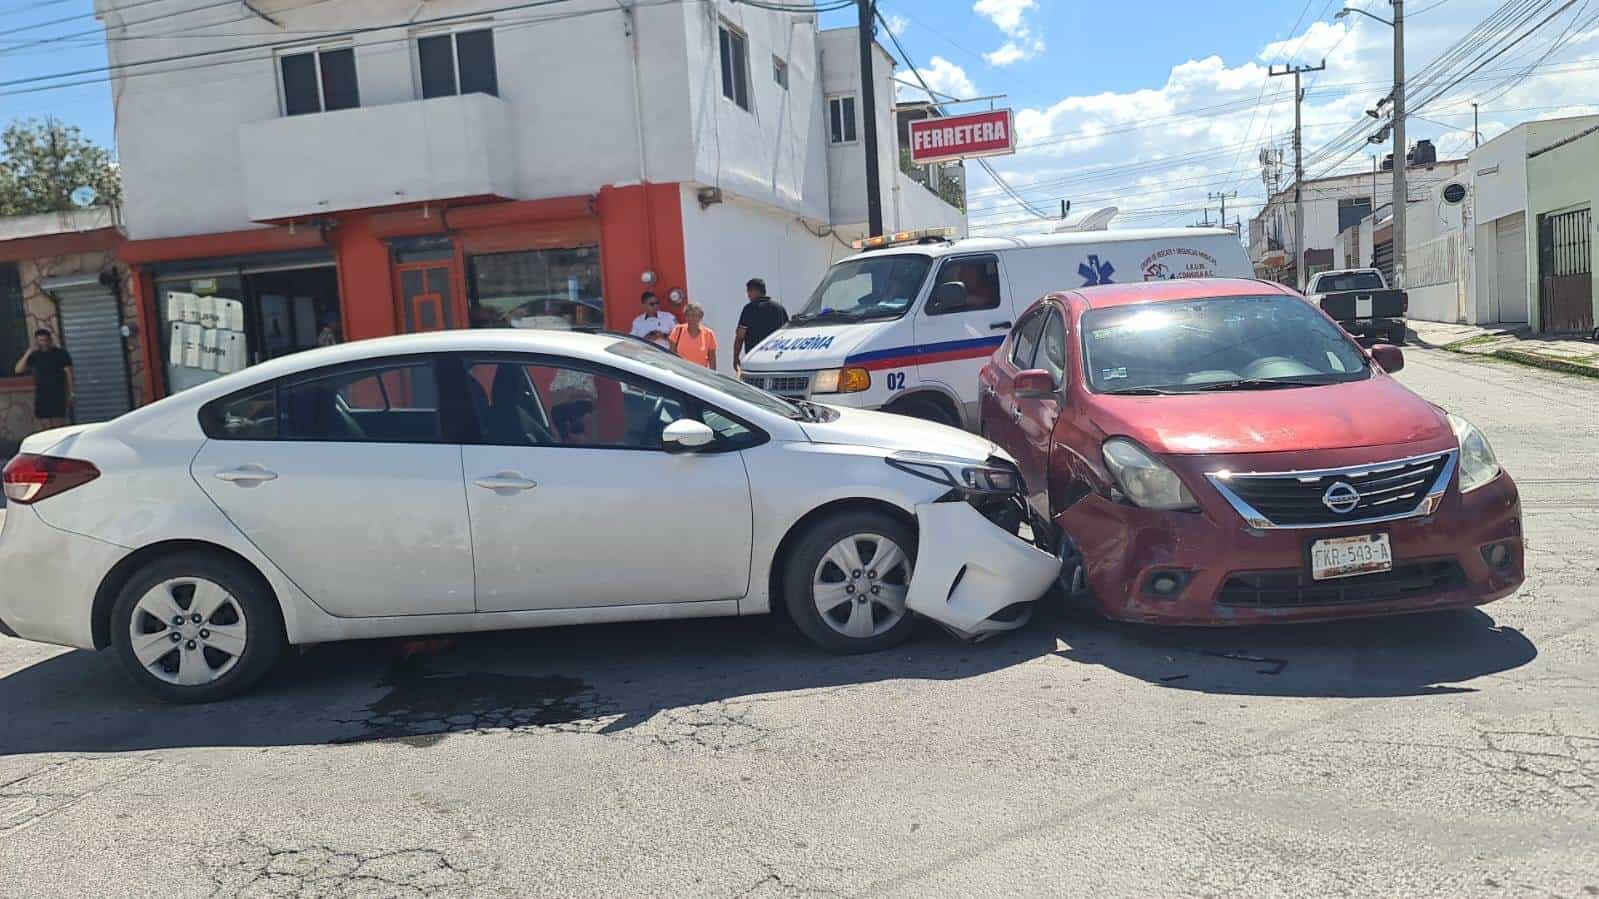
(870, 287)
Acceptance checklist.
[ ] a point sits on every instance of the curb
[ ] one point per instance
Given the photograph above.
(1540, 361)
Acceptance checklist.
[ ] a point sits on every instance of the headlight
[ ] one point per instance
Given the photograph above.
(841, 380)
(961, 474)
(1478, 464)
(1146, 480)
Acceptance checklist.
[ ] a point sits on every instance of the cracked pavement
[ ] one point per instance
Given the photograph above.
(1444, 755)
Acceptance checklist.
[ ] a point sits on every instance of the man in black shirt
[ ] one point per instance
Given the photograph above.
(54, 386)
(761, 316)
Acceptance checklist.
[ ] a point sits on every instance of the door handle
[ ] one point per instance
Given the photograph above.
(506, 483)
(1016, 414)
(247, 475)
(988, 391)
(995, 326)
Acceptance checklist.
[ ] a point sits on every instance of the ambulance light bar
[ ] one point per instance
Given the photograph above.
(899, 238)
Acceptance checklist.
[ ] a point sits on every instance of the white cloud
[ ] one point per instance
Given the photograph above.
(1005, 14)
(1165, 145)
(897, 24)
(1009, 17)
(943, 76)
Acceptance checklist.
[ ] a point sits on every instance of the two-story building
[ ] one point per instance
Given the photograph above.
(303, 171)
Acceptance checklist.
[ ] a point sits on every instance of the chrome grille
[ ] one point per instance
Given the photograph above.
(1380, 491)
(792, 386)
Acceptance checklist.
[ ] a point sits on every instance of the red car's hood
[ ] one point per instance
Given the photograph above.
(1375, 412)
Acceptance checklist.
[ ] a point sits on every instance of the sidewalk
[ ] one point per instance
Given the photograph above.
(1573, 355)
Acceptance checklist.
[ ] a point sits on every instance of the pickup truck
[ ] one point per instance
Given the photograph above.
(1362, 302)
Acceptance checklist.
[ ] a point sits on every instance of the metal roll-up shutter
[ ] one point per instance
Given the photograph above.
(92, 333)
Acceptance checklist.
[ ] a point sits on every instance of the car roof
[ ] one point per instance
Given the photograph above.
(1106, 296)
(1035, 241)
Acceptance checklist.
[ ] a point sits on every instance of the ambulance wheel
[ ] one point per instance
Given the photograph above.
(926, 410)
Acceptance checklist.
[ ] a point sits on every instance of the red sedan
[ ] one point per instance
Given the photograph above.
(1219, 451)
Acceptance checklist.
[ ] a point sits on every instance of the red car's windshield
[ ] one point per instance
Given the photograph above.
(1220, 343)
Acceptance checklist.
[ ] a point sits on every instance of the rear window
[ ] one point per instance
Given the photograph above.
(1349, 281)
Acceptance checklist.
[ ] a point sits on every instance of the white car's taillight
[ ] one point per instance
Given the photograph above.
(29, 478)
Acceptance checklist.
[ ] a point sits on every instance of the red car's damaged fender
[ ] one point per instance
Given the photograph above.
(1220, 560)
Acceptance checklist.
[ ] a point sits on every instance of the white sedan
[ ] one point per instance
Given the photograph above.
(488, 480)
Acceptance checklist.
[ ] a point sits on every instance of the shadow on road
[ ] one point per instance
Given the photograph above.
(603, 678)
(611, 678)
(1403, 655)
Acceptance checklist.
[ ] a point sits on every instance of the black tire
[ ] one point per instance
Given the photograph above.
(806, 557)
(925, 409)
(1396, 335)
(1077, 598)
(262, 619)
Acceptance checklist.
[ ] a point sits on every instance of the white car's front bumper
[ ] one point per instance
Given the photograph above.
(967, 570)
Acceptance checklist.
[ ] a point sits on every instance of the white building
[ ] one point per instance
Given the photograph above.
(367, 168)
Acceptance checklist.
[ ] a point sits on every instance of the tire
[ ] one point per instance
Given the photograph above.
(1396, 335)
(926, 410)
(224, 654)
(1077, 598)
(814, 564)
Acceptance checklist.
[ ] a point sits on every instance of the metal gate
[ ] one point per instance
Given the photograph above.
(1382, 259)
(1565, 272)
(92, 332)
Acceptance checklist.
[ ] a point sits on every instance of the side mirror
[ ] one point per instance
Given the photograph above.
(1034, 384)
(946, 296)
(1390, 357)
(686, 435)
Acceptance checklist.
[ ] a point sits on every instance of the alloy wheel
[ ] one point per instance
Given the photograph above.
(860, 585)
(187, 631)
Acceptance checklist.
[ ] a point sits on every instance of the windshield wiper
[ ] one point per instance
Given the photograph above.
(1251, 384)
(1143, 391)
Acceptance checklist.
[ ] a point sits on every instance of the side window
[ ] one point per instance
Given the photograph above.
(1052, 347)
(394, 404)
(1026, 340)
(543, 404)
(980, 274)
(250, 415)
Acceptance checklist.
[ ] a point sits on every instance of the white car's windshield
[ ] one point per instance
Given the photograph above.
(657, 358)
(867, 288)
(1223, 343)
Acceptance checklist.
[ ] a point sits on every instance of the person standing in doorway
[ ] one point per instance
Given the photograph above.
(692, 340)
(54, 385)
(653, 324)
(761, 316)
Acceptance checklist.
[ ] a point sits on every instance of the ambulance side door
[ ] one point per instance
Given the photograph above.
(957, 330)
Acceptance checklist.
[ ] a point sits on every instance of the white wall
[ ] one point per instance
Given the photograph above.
(729, 243)
(569, 84)
(1498, 172)
(913, 206)
(846, 163)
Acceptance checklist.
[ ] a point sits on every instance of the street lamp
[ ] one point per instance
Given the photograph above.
(1401, 194)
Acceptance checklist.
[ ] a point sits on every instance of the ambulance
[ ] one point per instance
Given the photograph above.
(905, 324)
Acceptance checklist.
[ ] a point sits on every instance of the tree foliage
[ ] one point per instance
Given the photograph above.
(43, 162)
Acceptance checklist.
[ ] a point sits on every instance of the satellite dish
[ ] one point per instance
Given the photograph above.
(1098, 220)
(1454, 193)
(83, 196)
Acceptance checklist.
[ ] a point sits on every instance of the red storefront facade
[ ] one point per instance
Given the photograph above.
(568, 261)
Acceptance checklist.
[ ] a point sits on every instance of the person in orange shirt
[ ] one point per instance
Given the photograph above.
(692, 340)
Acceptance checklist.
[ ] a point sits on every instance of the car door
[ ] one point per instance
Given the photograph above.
(1036, 416)
(952, 343)
(349, 480)
(1001, 416)
(574, 503)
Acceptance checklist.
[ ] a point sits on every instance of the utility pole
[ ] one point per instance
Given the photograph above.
(1476, 130)
(874, 189)
(1299, 166)
(1223, 198)
(1401, 193)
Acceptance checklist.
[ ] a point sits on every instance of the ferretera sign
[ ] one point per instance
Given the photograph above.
(962, 136)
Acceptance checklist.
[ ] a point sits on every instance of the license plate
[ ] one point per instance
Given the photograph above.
(1348, 556)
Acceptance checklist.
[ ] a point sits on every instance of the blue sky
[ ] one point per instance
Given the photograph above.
(1106, 93)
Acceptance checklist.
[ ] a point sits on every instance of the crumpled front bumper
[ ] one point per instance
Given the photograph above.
(968, 570)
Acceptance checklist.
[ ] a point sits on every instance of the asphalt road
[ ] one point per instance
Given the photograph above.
(1442, 755)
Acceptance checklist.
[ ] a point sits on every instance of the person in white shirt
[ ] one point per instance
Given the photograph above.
(653, 324)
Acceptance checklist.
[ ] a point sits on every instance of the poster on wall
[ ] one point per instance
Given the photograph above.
(205, 334)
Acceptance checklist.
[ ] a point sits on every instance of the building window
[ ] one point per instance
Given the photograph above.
(458, 63)
(1351, 210)
(735, 66)
(556, 289)
(780, 72)
(319, 81)
(14, 336)
(841, 119)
